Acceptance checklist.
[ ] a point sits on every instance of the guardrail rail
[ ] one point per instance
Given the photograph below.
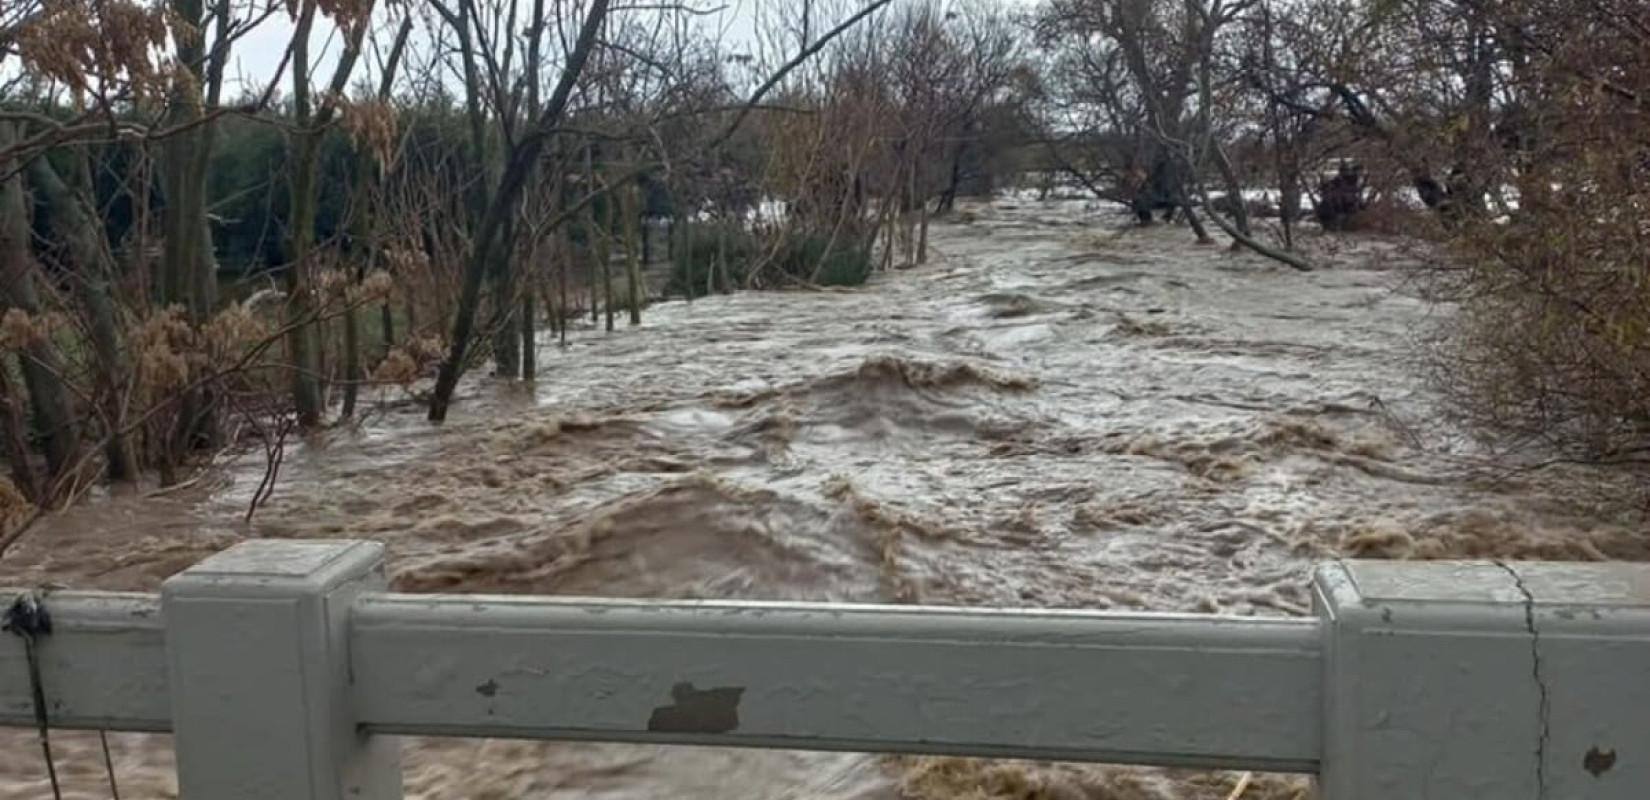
(1415, 680)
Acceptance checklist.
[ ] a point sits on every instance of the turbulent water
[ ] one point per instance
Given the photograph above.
(1055, 411)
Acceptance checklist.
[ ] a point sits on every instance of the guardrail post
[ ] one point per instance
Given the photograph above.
(1484, 679)
(257, 641)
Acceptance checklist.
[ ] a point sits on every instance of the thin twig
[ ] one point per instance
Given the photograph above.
(109, 765)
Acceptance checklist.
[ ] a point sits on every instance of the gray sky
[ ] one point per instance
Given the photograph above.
(259, 53)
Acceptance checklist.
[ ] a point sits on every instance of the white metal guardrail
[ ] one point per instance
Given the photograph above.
(284, 671)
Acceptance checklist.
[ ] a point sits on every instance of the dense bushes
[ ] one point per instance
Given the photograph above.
(720, 257)
(1552, 347)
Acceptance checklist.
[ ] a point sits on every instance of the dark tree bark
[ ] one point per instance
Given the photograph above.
(302, 304)
(94, 281)
(14, 436)
(369, 182)
(506, 335)
(304, 307)
(487, 243)
(633, 263)
(42, 365)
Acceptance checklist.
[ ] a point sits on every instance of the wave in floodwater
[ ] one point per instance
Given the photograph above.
(1053, 413)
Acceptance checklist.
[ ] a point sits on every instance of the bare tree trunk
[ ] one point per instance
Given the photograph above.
(365, 250)
(529, 337)
(529, 342)
(1288, 173)
(553, 301)
(1210, 147)
(302, 306)
(633, 264)
(188, 267)
(678, 253)
(1234, 190)
(718, 274)
(486, 243)
(42, 366)
(671, 237)
(1253, 244)
(1196, 223)
(604, 250)
(922, 232)
(908, 224)
(564, 250)
(948, 198)
(305, 340)
(506, 336)
(84, 238)
(354, 373)
(386, 320)
(647, 242)
(14, 434)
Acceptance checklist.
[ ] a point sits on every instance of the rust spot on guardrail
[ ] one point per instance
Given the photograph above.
(1598, 761)
(694, 710)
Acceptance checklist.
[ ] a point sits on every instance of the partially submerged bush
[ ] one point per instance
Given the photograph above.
(1552, 345)
(708, 258)
(720, 258)
(1552, 342)
(821, 258)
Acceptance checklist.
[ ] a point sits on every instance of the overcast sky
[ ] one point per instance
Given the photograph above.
(259, 53)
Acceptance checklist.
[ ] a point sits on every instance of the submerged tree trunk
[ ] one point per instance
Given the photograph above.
(718, 279)
(633, 262)
(533, 282)
(1234, 190)
(1196, 223)
(907, 214)
(948, 198)
(922, 232)
(529, 342)
(605, 255)
(188, 267)
(353, 371)
(486, 243)
(506, 337)
(564, 248)
(302, 305)
(365, 250)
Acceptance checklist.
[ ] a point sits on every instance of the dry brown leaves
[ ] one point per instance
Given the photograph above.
(378, 286)
(407, 362)
(85, 45)
(18, 329)
(347, 14)
(14, 507)
(234, 329)
(163, 344)
(371, 124)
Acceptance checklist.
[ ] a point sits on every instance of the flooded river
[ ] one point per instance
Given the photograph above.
(1054, 412)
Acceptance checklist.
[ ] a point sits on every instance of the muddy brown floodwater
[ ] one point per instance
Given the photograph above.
(1050, 414)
